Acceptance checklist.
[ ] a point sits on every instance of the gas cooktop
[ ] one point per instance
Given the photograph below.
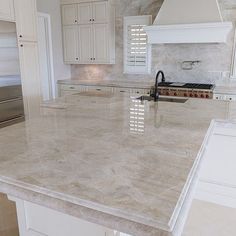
(186, 89)
(187, 85)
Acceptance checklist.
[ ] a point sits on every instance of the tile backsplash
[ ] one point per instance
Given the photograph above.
(214, 58)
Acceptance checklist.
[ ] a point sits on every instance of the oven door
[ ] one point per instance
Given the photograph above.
(11, 109)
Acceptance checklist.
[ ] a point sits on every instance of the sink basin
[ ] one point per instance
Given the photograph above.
(163, 99)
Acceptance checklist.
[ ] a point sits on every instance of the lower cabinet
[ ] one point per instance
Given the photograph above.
(35, 220)
(73, 89)
(217, 178)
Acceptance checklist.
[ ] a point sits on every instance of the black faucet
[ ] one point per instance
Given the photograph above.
(163, 79)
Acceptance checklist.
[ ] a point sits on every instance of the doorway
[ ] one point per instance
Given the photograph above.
(46, 57)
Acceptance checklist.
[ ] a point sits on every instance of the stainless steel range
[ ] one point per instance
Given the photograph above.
(186, 90)
(11, 101)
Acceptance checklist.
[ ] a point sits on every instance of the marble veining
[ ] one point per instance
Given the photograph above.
(113, 155)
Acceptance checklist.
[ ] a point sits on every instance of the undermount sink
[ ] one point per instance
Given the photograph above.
(163, 99)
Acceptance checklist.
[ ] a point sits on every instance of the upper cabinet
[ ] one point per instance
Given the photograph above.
(7, 12)
(69, 14)
(89, 32)
(26, 20)
(100, 12)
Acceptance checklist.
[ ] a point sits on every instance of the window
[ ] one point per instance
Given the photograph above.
(137, 52)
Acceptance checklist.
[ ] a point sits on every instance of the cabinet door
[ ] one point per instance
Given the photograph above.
(85, 13)
(220, 161)
(69, 14)
(29, 65)
(26, 20)
(86, 44)
(101, 43)
(100, 12)
(70, 38)
(7, 10)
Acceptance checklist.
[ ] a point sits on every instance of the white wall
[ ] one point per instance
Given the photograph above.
(52, 7)
(9, 58)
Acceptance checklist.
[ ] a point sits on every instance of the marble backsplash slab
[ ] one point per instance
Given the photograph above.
(215, 58)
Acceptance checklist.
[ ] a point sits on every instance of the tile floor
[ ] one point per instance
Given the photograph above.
(205, 219)
(8, 219)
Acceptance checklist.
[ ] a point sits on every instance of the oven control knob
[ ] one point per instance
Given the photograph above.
(185, 94)
(191, 95)
(195, 95)
(207, 96)
(175, 94)
(202, 96)
(167, 93)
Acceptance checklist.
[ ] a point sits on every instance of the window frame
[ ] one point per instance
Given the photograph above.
(129, 20)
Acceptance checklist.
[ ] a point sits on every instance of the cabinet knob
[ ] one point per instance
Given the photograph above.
(93, 20)
(91, 59)
(94, 59)
(20, 36)
(22, 45)
(76, 21)
(77, 58)
(90, 20)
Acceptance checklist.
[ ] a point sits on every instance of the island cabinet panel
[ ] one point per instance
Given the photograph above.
(35, 220)
(7, 11)
(95, 24)
(218, 173)
(26, 20)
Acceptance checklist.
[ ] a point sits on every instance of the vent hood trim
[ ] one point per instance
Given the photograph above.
(216, 32)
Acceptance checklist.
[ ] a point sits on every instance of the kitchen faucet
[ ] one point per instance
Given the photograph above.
(156, 94)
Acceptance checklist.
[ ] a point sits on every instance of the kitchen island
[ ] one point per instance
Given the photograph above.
(115, 161)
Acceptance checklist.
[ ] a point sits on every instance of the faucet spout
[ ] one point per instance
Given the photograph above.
(156, 94)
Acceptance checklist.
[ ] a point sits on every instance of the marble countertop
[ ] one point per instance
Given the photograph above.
(109, 83)
(111, 160)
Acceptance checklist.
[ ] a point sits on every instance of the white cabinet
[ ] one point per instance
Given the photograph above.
(71, 49)
(69, 14)
(100, 12)
(7, 12)
(95, 26)
(225, 97)
(86, 43)
(26, 20)
(85, 15)
(28, 54)
(26, 27)
(100, 43)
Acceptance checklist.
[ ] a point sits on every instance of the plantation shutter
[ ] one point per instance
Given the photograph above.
(137, 51)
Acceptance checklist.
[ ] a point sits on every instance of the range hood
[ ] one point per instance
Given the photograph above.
(189, 21)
